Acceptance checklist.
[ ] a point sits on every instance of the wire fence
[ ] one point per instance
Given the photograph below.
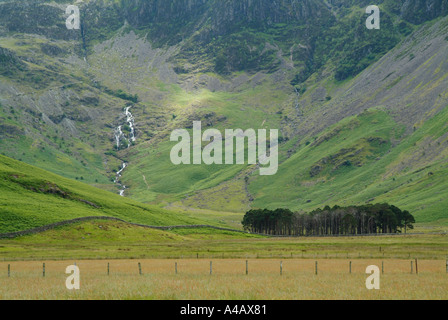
(222, 267)
(304, 255)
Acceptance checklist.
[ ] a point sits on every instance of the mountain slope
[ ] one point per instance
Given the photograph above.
(31, 197)
(402, 100)
(360, 112)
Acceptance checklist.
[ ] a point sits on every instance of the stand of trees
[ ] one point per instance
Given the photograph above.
(353, 220)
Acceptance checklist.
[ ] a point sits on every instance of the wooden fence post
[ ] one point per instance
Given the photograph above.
(281, 267)
(416, 266)
(211, 267)
(316, 268)
(247, 267)
(175, 267)
(43, 270)
(108, 269)
(350, 267)
(140, 268)
(9, 270)
(382, 267)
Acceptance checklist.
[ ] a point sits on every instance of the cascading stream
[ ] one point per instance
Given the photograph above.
(118, 174)
(120, 138)
(130, 120)
(117, 179)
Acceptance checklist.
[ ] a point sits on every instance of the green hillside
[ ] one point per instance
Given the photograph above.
(31, 197)
(355, 162)
(114, 240)
(361, 113)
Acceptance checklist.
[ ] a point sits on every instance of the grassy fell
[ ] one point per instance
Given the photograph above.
(33, 197)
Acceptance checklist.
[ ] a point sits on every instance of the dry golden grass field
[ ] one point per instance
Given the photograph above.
(228, 280)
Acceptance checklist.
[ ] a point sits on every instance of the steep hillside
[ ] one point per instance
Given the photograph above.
(387, 139)
(361, 112)
(31, 197)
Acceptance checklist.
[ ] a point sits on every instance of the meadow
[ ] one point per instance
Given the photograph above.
(108, 254)
(228, 281)
(118, 240)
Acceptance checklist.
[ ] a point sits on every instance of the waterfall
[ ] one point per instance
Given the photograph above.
(118, 136)
(130, 120)
(122, 191)
(121, 137)
(122, 169)
(118, 174)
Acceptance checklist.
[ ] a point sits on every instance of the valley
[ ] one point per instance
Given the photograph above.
(99, 105)
(88, 119)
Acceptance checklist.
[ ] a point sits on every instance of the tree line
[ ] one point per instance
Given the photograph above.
(352, 220)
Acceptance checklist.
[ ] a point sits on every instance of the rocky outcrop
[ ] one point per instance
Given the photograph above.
(9, 62)
(36, 17)
(419, 11)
